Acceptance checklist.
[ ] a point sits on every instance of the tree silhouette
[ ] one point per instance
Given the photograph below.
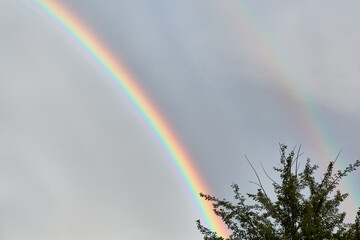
(303, 208)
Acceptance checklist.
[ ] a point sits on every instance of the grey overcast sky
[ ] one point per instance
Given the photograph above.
(75, 161)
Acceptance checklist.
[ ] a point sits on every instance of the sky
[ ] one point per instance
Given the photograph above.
(231, 78)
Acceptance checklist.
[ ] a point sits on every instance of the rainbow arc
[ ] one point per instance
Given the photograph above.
(99, 54)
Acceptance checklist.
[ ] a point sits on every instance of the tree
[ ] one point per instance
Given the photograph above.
(303, 208)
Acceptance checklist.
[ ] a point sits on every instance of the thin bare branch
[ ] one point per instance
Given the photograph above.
(258, 178)
(337, 156)
(297, 163)
(255, 183)
(268, 175)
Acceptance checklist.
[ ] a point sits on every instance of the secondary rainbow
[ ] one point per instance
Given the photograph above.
(99, 55)
(288, 79)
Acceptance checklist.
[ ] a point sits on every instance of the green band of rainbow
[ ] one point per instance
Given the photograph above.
(98, 53)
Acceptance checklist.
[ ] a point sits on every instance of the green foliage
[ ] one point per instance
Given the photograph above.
(303, 208)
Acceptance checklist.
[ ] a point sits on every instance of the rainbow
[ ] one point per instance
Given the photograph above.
(288, 79)
(308, 115)
(99, 55)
